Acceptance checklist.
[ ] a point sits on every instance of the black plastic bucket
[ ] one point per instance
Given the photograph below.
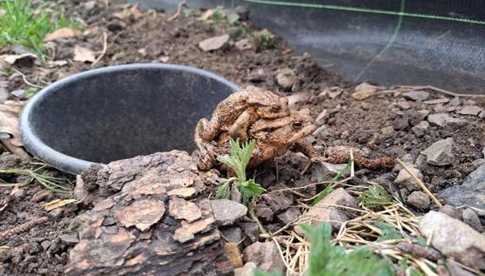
(119, 112)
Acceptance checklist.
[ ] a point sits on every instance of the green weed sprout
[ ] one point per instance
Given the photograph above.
(22, 24)
(327, 259)
(264, 39)
(376, 197)
(237, 161)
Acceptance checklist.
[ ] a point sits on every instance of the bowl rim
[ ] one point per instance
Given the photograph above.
(70, 164)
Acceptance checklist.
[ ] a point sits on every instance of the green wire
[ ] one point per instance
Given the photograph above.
(365, 10)
(389, 43)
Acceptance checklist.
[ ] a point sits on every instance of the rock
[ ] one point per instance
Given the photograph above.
(440, 153)
(481, 115)
(334, 91)
(405, 179)
(246, 270)
(324, 210)
(295, 100)
(400, 123)
(444, 119)
(182, 209)
(264, 212)
(265, 255)
(251, 230)
(404, 105)
(420, 129)
(471, 218)
(387, 132)
(243, 44)
(471, 192)
(419, 200)
(69, 239)
(470, 110)
(214, 43)
(364, 91)
(19, 93)
(455, 269)
(454, 238)
(416, 95)
(451, 211)
(233, 234)
(437, 101)
(286, 78)
(322, 117)
(226, 212)
(276, 201)
(290, 215)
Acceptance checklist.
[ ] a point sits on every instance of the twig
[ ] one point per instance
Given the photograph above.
(436, 89)
(22, 228)
(105, 48)
(24, 78)
(420, 183)
(260, 225)
(179, 10)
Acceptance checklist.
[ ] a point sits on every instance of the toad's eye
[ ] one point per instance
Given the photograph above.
(275, 108)
(297, 125)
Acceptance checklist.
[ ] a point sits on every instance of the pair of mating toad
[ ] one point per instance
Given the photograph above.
(253, 114)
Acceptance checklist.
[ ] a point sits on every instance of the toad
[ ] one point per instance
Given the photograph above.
(237, 112)
(275, 131)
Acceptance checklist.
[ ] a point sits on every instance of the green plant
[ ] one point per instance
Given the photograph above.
(264, 39)
(237, 161)
(376, 197)
(329, 188)
(327, 259)
(22, 24)
(388, 232)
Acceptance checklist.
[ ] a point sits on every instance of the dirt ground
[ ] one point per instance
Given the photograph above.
(382, 125)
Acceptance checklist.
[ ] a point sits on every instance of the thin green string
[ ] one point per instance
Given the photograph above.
(366, 10)
(389, 43)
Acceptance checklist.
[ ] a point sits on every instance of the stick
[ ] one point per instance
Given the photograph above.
(22, 228)
(179, 10)
(420, 183)
(105, 48)
(24, 78)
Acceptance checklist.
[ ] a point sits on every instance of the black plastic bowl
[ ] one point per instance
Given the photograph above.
(119, 112)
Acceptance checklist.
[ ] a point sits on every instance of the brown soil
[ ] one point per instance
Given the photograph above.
(151, 38)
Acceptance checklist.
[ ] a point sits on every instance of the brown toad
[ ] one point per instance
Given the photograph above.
(273, 133)
(237, 112)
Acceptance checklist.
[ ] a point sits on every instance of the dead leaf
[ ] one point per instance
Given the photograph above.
(24, 60)
(83, 54)
(9, 128)
(231, 250)
(57, 203)
(61, 33)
